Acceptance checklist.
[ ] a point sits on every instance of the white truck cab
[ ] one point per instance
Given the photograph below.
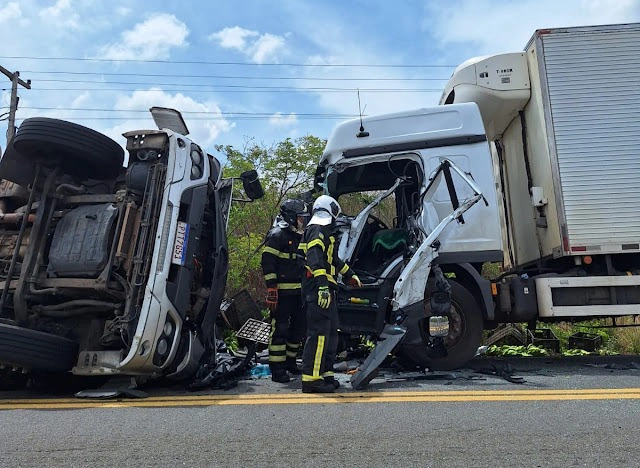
(416, 176)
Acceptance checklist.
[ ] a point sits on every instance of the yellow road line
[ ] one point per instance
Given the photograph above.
(347, 397)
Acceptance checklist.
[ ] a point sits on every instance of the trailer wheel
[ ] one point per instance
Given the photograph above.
(465, 331)
(36, 350)
(78, 150)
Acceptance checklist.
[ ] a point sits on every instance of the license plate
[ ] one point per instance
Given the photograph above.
(180, 244)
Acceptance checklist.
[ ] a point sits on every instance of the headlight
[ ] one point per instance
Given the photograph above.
(197, 162)
(196, 157)
(163, 347)
(196, 172)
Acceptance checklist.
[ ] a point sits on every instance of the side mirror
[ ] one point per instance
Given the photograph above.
(251, 184)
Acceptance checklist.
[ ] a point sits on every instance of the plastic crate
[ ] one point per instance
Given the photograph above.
(255, 330)
(507, 334)
(587, 341)
(544, 338)
(239, 309)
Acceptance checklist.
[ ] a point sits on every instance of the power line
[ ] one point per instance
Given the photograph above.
(209, 118)
(198, 85)
(199, 62)
(146, 111)
(271, 90)
(225, 77)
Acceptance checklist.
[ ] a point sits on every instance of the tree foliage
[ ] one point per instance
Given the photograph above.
(286, 170)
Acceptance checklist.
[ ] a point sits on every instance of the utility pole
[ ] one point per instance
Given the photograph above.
(13, 106)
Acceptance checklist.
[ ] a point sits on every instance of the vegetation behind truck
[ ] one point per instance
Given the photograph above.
(563, 118)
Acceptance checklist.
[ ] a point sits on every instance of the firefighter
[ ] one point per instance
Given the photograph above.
(281, 271)
(321, 267)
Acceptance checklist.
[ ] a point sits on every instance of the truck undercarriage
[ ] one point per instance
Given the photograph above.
(104, 269)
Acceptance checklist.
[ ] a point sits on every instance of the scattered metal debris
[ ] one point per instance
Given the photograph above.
(116, 387)
(506, 372)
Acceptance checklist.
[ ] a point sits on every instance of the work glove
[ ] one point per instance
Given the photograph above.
(324, 297)
(355, 282)
(272, 299)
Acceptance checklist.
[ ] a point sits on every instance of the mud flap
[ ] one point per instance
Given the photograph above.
(390, 337)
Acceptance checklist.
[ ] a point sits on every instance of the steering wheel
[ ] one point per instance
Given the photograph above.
(377, 221)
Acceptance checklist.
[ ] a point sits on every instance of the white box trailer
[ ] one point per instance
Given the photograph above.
(564, 121)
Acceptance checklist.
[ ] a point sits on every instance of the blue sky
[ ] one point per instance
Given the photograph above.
(219, 61)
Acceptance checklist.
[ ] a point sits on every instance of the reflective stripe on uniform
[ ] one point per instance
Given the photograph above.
(277, 347)
(309, 378)
(317, 361)
(328, 374)
(270, 276)
(315, 242)
(344, 269)
(332, 272)
(279, 254)
(319, 272)
(292, 350)
(285, 286)
(273, 358)
(303, 247)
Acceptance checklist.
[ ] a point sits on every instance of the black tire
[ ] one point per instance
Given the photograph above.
(36, 350)
(464, 338)
(78, 150)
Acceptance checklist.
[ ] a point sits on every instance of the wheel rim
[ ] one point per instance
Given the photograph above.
(456, 326)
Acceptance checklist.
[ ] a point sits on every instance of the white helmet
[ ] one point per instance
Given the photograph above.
(325, 210)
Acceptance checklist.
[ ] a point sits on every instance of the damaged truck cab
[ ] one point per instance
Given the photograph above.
(417, 173)
(109, 269)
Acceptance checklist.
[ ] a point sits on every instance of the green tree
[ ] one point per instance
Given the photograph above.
(286, 170)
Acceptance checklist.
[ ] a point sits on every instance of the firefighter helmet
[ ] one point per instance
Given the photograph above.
(325, 210)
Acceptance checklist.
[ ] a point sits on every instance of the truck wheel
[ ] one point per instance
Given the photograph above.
(465, 331)
(79, 151)
(36, 350)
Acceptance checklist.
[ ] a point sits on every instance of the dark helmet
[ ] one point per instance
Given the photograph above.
(291, 209)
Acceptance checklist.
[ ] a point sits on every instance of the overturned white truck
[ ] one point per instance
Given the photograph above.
(554, 151)
(105, 269)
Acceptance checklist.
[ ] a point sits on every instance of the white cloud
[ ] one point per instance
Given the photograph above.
(204, 127)
(280, 120)
(61, 14)
(9, 12)
(123, 11)
(495, 26)
(259, 48)
(61, 7)
(267, 48)
(80, 100)
(233, 38)
(149, 40)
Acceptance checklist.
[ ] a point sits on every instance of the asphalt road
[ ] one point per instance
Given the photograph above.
(572, 412)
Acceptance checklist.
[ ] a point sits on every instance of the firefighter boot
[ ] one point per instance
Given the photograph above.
(318, 386)
(279, 374)
(292, 367)
(331, 380)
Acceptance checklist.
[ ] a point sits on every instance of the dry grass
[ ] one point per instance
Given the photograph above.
(627, 339)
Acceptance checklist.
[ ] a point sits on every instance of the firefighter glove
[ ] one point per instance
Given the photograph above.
(324, 297)
(355, 282)
(272, 298)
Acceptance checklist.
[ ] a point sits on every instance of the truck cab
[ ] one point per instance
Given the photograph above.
(399, 179)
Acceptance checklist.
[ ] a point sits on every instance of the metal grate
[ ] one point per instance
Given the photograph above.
(255, 330)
